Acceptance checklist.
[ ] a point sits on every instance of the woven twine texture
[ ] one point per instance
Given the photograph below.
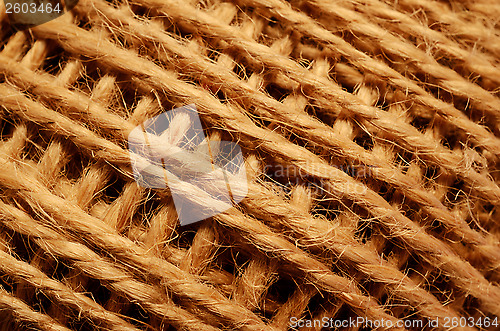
(371, 138)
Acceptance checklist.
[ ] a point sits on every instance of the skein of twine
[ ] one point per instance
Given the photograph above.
(62, 227)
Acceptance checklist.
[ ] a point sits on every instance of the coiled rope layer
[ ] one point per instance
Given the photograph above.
(371, 137)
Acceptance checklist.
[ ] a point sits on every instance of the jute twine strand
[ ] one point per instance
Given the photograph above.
(26, 315)
(300, 85)
(464, 277)
(458, 270)
(374, 264)
(33, 191)
(58, 291)
(87, 135)
(308, 127)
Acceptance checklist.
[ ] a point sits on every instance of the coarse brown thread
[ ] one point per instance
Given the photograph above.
(32, 191)
(135, 255)
(25, 315)
(97, 267)
(427, 148)
(307, 222)
(176, 315)
(392, 45)
(433, 315)
(482, 64)
(20, 270)
(46, 93)
(92, 264)
(470, 26)
(374, 264)
(408, 26)
(439, 254)
(313, 129)
(407, 89)
(311, 83)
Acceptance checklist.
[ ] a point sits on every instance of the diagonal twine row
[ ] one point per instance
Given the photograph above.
(296, 120)
(455, 260)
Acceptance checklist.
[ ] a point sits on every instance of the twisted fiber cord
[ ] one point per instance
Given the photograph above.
(87, 186)
(477, 62)
(252, 284)
(129, 190)
(84, 259)
(60, 293)
(24, 315)
(470, 30)
(371, 261)
(195, 254)
(468, 63)
(50, 167)
(294, 306)
(181, 283)
(446, 77)
(488, 249)
(274, 241)
(277, 107)
(270, 242)
(297, 120)
(341, 186)
(318, 233)
(257, 233)
(485, 134)
(254, 281)
(406, 25)
(471, 27)
(323, 92)
(202, 250)
(332, 282)
(89, 262)
(262, 237)
(82, 192)
(196, 292)
(440, 254)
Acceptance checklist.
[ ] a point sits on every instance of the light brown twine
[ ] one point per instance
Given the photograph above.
(257, 233)
(405, 92)
(65, 296)
(342, 249)
(308, 127)
(22, 313)
(323, 95)
(394, 221)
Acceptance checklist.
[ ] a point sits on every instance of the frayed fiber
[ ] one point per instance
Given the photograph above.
(370, 135)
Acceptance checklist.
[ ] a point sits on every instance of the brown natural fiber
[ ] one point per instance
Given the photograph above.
(371, 134)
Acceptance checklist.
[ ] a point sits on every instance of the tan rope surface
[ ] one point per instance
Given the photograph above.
(371, 138)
